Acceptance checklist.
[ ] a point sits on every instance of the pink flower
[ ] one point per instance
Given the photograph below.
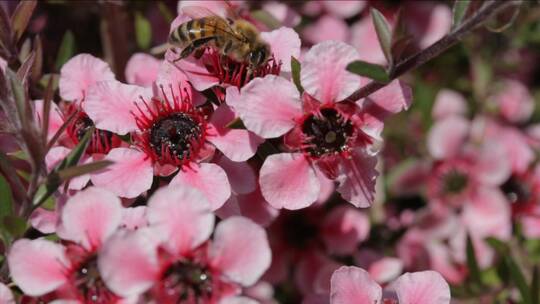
(142, 69)
(353, 285)
(169, 133)
(213, 71)
(42, 268)
(514, 101)
(319, 130)
(174, 258)
(6, 296)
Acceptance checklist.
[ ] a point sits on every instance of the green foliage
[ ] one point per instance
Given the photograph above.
(143, 31)
(370, 70)
(384, 33)
(295, 70)
(66, 50)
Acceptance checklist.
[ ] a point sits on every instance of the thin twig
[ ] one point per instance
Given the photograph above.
(418, 59)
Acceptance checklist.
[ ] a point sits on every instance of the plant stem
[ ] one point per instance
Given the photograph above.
(418, 59)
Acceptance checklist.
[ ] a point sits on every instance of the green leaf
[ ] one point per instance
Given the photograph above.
(54, 180)
(535, 285)
(143, 31)
(38, 66)
(472, 263)
(384, 33)
(75, 171)
(236, 124)
(6, 198)
(459, 11)
(165, 12)
(295, 70)
(500, 247)
(16, 226)
(21, 17)
(370, 70)
(518, 279)
(66, 50)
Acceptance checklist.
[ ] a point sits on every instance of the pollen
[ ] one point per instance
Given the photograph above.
(176, 134)
(327, 132)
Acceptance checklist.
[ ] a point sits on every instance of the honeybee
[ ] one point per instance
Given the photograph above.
(238, 39)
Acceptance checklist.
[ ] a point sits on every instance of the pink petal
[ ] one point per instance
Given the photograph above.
(343, 229)
(446, 137)
(327, 187)
(426, 287)
(121, 253)
(326, 28)
(253, 106)
(90, 217)
(56, 155)
(45, 221)
(324, 75)
(80, 73)
(283, 13)
(6, 296)
(217, 7)
(238, 300)
(130, 175)
(391, 99)
(241, 175)
(284, 43)
(357, 179)
(344, 8)
(172, 78)
(364, 39)
(115, 97)
(195, 71)
(492, 165)
(386, 269)
(237, 144)
(209, 179)
(142, 69)
(38, 266)
(181, 216)
(429, 22)
(241, 250)
(531, 226)
(55, 118)
(252, 206)
(288, 181)
(134, 218)
(353, 285)
(449, 102)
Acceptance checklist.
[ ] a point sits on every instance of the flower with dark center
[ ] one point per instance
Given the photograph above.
(172, 132)
(326, 132)
(454, 182)
(101, 142)
(89, 284)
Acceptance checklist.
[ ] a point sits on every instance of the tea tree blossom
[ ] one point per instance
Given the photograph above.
(319, 129)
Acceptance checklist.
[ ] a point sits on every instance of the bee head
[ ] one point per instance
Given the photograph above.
(259, 55)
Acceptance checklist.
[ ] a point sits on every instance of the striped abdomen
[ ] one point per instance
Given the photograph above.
(197, 29)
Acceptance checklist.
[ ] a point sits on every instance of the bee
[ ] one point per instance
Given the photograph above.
(238, 39)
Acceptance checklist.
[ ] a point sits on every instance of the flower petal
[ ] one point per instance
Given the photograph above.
(173, 80)
(343, 229)
(386, 269)
(80, 73)
(357, 179)
(38, 266)
(181, 216)
(121, 253)
(446, 136)
(209, 179)
(268, 106)
(326, 28)
(287, 181)
(55, 118)
(90, 217)
(449, 102)
(240, 174)
(426, 287)
(353, 285)
(130, 175)
(284, 43)
(6, 296)
(364, 38)
(115, 97)
(237, 144)
(241, 250)
(344, 8)
(324, 75)
(391, 99)
(142, 69)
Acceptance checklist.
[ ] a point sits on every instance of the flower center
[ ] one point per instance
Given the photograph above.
(517, 191)
(327, 133)
(90, 285)
(186, 281)
(454, 182)
(101, 141)
(176, 136)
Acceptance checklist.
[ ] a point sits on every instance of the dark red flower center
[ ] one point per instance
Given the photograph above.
(454, 182)
(185, 281)
(327, 132)
(101, 142)
(172, 131)
(177, 134)
(89, 284)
